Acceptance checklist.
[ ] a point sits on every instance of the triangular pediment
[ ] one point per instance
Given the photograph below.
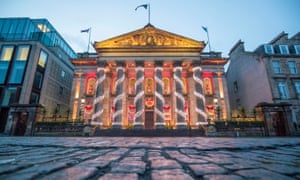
(149, 37)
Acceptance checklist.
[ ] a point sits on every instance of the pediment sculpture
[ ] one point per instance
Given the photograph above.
(149, 37)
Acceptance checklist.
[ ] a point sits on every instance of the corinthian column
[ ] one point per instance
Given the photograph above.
(179, 97)
(200, 99)
(159, 123)
(98, 105)
(117, 116)
(138, 99)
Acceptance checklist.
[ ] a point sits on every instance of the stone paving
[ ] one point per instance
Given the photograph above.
(149, 158)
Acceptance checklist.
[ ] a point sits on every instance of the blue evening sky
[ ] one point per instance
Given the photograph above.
(253, 21)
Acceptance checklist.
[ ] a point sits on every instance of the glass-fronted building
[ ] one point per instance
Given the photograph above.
(34, 71)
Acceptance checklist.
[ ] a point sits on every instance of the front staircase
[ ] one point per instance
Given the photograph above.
(148, 132)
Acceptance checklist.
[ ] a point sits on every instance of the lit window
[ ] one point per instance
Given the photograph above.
(166, 86)
(43, 59)
(19, 64)
(207, 86)
(43, 28)
(297, 49)
(276, 67)
(131, 86)
(5, 58)
(23, 52)
(6, 53)
(282, 90)
(292, 67)
(284, 49)
(269, 49)
(297, 89)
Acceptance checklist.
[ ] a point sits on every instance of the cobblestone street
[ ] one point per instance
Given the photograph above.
(149, 158)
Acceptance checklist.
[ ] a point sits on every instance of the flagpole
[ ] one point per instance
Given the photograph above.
(88, 48)
(149, 14)
(206, 30)
(208, 41)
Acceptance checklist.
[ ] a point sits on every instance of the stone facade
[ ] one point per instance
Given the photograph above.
(268, 75)
(149, 78)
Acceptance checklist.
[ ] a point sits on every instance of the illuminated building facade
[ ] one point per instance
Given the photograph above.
(269, 77)
(149, 78)
(35, 73)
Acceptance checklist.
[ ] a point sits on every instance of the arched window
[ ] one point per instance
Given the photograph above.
(113, 86)
(207, 86)
(90, 86)
(149, 86)
(167, 86)
(131, 86)
(185, 86)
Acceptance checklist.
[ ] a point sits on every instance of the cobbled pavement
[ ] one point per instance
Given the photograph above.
(133, 158)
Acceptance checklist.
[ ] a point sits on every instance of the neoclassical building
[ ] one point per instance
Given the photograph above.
(149, 78)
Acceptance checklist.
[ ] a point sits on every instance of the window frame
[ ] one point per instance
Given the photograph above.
(283, 86)
(12, 53)
(38, 82)
(266, 46)
(284, 49)
(276, 70)
(36, 97)
(13, 71)
(297, 89)
(61, 90)
(43, 66)
(62, 73)
(235, 87)
(297, 49)
(5, 70)
(10, 95)
(293, 70)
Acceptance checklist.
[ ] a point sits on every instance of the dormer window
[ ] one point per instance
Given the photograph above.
(284, 49)
(269, 49)
(297, 49)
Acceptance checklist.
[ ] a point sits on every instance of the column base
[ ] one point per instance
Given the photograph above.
(138, 126)
(160, 126)
(181, 126)
(116, 126)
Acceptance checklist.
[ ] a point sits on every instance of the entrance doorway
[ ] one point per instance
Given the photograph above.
(149, 120)
(278, 123)
(21, 124)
